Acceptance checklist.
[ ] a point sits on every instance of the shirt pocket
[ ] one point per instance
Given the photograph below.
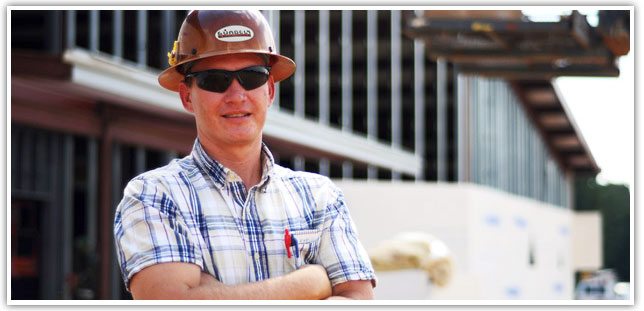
(308, 242)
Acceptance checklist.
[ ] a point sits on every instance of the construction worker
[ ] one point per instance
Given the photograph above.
(227, 222)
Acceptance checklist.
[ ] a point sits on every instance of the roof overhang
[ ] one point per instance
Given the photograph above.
(292, 135)
(507, 44)
(544, 104)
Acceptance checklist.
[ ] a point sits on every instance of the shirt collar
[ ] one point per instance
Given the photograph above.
(269, 163)
(221, 174)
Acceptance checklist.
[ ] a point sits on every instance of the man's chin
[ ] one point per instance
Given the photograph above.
(242, 140)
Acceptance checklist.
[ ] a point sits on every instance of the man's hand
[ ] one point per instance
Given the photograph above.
(187, 281)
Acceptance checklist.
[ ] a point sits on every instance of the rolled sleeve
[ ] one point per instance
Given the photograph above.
(340, 251)
(148, 230)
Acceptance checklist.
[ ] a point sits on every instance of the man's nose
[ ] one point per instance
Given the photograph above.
(235, 92)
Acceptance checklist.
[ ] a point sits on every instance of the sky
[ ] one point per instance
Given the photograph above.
(603, 109)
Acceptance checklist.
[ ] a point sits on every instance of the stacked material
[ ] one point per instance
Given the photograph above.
(415, 250)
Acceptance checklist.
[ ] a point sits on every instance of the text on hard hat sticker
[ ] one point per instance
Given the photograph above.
(234, 33)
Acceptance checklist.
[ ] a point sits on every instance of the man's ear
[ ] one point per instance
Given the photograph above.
(271, 89)
(186, 100)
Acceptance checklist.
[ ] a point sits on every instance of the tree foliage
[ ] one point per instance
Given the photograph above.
(613, 203)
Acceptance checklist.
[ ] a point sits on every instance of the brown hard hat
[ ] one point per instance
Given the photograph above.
(211, 33)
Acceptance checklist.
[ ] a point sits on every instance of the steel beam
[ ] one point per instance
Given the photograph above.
(323, 63)
(441, 119)
(372, 74)
(94, 32)
(71, 29)
(117, 30)
(347, 70)
(419, 102)
(142, 38)
(300, 59)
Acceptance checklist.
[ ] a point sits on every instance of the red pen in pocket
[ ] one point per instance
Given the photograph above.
(287, 242)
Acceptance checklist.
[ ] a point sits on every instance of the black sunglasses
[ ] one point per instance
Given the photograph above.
(218, 80)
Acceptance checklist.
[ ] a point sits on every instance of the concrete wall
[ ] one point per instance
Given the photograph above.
(503, 246)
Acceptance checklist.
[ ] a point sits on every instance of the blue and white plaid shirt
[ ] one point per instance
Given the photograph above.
(197, 211)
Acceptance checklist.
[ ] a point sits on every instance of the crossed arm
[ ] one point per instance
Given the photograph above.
(187, 281)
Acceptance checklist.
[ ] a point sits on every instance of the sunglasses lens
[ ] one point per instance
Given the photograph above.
(214, 81)
(219, 80)
(252, 77)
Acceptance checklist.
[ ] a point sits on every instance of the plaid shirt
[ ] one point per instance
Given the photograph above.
(197, 211)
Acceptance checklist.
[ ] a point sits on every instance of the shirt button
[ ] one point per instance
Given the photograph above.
(256, 256)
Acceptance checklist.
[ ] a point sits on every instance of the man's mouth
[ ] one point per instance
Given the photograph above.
(236, 115)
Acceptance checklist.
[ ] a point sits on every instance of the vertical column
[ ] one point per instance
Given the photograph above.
(300, 60)
(168, 33)
(487, 128)
(396, 65)
(474, 132)
(105, 226)
(461, 130)
(141, 37)
(441, 118)
(569, 193)
(14, 156)
(54, 42)
(347, 170)
(372, 75)
(323, 63)
(42, 162)
(514, 146)
(94, 37)
(114, 280)
(500, 149)
(372, 172)
(396, 81)
(26, 169)
(51, 285)
(419, 103)
(139, 160)
(372, 83)
(67, 209)
(71, 29)
(347, 70)
(92, 193)
(534, 163)
(522, 154)
(298, 164)
(325, 166)
(117, 30)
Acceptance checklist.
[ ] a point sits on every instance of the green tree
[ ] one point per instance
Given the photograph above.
(613, 203)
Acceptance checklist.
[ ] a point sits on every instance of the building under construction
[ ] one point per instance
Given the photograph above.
(456, 111)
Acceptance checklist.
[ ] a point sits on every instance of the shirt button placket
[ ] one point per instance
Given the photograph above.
(248, 216)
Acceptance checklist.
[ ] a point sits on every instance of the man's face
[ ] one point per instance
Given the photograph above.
(236, 116)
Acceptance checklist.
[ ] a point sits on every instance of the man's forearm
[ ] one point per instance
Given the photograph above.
(361, 289)
(308, 282)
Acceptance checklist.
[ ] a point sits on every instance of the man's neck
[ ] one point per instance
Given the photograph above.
(244, 160)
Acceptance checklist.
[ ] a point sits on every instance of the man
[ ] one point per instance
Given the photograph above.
(226, 222)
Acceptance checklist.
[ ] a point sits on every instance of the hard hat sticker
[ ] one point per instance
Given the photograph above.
(234, 33)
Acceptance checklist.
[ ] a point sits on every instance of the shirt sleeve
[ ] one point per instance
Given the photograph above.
(340, 251)
(149, 229)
